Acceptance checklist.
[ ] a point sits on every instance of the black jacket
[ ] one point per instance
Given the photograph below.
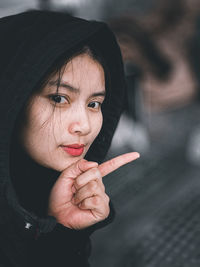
(31, 42)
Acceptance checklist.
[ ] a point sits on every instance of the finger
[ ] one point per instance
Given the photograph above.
(86, 177)
(77, 168)
(98, 205)
(89, 190)
(113, 164)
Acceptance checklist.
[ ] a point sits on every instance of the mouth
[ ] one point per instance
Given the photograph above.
(74, 149)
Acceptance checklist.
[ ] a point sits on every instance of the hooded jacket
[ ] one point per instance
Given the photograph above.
(31, 43)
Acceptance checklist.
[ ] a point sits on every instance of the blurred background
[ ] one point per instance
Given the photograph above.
(156, 198)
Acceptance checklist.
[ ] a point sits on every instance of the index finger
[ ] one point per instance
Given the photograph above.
(113, 164)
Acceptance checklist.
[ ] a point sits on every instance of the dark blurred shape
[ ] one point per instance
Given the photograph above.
(44, 4)
(157, 197)
(156, 43)
(134, 37)
(113, 8)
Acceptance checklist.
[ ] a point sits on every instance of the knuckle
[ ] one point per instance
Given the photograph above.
(112, 162)
(107, 199)
(96, 201)
(92, 186)
(107, 212)
(86, 203)
(107, 207)
(78, 183)
(95, 173)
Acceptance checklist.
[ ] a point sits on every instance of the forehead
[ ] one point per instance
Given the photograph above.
(83, 68)
(80, 74)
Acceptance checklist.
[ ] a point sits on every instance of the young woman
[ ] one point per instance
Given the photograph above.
(62, 92)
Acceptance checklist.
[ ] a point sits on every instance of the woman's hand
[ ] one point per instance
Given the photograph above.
(78, 198)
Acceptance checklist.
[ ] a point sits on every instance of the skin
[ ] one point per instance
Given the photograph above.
(77, 199)
(76, 119)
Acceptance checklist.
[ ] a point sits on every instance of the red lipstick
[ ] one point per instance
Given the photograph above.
(74, 149)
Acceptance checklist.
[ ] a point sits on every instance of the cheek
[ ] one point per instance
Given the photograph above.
(37, 125)
(97, 125)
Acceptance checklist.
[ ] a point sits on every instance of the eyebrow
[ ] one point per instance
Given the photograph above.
(73, 89)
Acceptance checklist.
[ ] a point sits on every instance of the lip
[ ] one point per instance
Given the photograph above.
(74, 149)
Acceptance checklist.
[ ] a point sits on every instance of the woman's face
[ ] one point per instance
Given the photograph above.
(56, 138)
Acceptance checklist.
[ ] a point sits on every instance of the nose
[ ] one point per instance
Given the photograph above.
(80, 123)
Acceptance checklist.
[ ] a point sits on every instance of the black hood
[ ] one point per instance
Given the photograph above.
(31, 42)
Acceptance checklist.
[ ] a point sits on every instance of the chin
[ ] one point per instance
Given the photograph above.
(65, 164)
(61, 161)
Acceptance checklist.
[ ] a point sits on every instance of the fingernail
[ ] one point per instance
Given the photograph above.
(133, 155)
(138, 155)
(93, 164)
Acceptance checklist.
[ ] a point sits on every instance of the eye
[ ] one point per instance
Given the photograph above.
(59, 99)
(94, 105)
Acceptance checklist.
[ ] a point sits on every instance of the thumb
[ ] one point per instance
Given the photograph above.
(78, 168)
